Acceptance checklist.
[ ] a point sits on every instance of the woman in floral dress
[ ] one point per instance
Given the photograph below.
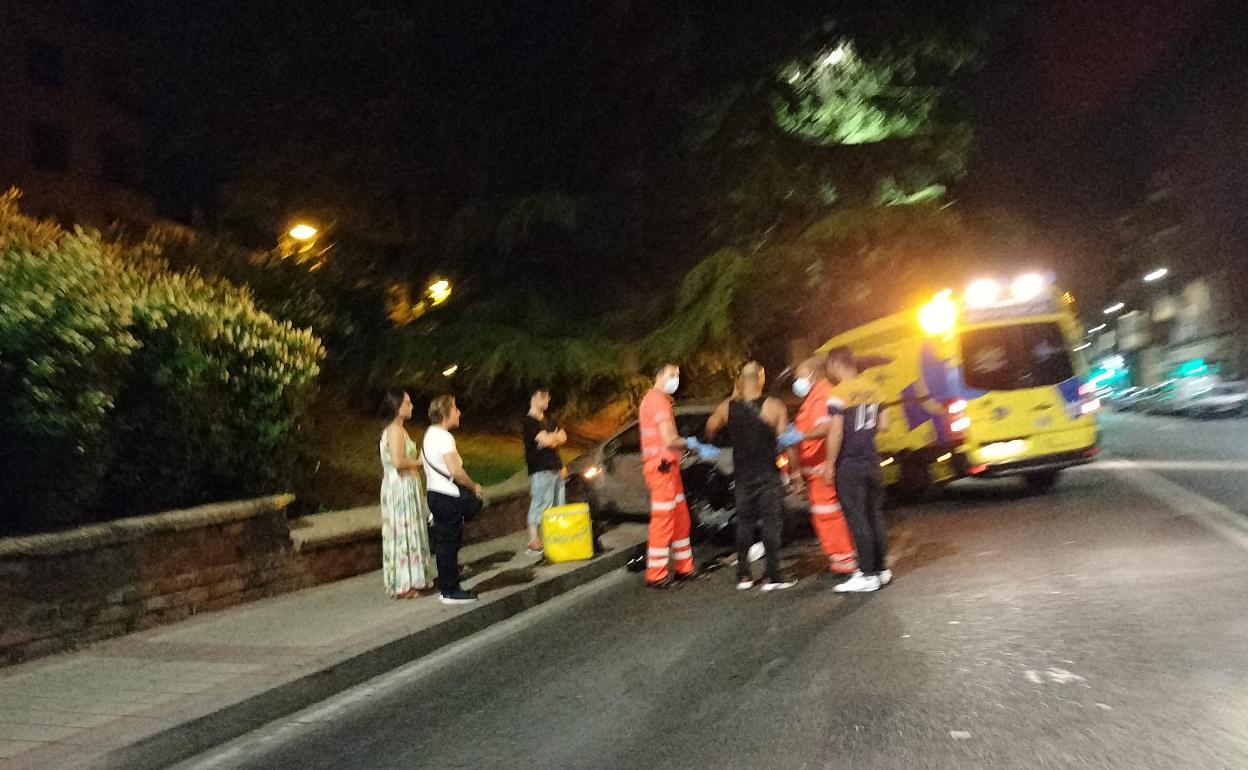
(406, 565)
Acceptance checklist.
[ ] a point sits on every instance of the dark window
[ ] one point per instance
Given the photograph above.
(691, 424)
(629, 442)
(49, 147)
(1015, 357)
(45, 64)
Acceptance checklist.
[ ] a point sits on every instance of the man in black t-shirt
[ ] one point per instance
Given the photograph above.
(542, 438)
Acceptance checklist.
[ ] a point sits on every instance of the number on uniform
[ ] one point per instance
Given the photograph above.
(865, 416)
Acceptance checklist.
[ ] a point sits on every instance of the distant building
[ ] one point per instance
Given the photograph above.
(71, 136)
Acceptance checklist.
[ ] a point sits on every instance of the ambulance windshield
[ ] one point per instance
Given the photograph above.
(1015, 357)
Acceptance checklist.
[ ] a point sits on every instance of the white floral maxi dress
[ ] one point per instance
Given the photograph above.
(405, 560)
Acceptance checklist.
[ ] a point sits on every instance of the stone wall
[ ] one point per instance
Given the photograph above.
(66, 588)
(63, 589)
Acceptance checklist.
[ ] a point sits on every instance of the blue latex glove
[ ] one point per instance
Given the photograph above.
(692, 444)
(708, 451)
(790, 437)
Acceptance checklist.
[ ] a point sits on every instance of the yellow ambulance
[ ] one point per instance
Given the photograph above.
(985, 383)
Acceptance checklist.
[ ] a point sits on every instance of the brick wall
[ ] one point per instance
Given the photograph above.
(67, 588)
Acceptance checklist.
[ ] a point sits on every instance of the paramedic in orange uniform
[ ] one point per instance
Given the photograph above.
(661, 448)
(813, 421)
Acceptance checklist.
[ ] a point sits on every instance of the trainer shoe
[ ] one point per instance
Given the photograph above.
(757, 551)
(859, 583)
(459, 596)
(744, 584)
(661, 585)
(689, 577)
(886, 577)
(779, 585)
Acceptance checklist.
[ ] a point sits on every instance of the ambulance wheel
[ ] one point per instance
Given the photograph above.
(915, 483)
(1041, 482)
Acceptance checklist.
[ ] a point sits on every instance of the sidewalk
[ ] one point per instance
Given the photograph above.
(157, 696)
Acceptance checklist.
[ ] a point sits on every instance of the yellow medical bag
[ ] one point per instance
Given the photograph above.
(567, 533)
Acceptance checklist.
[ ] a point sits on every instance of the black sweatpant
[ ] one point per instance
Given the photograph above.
(861, 493)
(762, 498)
(448, 538)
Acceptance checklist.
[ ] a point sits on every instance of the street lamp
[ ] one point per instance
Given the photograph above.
(303, 232)
(439, 291)
(1156, 275)
(1114, 308)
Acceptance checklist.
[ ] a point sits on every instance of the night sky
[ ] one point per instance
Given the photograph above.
(1065, 108)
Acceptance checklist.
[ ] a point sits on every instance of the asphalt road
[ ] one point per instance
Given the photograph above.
(1207, 456)
(1099, 627)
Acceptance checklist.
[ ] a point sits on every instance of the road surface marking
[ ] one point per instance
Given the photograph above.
(1211, 466)
(1183, 501)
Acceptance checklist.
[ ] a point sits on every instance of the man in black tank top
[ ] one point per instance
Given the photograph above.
(754, 423)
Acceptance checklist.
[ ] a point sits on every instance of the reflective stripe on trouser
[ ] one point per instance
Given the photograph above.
(669, 526)
(830, 526)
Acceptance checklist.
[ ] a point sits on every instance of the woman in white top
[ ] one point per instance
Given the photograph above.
(405, 564)
(451, 493)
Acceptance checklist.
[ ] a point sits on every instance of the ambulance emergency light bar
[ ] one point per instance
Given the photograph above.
(987, 292)
(941, 314)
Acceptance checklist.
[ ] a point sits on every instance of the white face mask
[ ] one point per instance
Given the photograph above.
(801, 387)
(671, 385)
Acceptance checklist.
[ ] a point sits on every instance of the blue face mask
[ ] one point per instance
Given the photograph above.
(801, 387)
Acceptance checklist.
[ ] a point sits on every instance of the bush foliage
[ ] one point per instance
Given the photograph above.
(128, 387)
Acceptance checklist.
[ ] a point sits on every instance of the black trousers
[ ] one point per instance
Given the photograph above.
(760, 498)
(861, 493)
(448, 538)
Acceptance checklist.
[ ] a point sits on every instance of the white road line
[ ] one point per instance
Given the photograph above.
(1213, 466)
(272, 736)
(1178, 498)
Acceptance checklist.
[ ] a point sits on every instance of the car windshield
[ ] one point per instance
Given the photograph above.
(1016, 357)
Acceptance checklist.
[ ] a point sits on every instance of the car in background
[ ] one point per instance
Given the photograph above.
(609, 476)
(1123, 399)
(1145, 400)
(1224, 399)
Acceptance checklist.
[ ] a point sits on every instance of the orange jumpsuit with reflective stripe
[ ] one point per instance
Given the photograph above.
(825, 510)
(669, 514)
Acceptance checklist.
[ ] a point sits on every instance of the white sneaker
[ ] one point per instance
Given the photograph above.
(859, 583)
(885, 577)
(757, 551)
(783, 584)
(744, 584)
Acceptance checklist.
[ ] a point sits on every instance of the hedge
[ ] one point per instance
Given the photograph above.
(126, 387)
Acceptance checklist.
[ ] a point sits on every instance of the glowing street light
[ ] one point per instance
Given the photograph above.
(439, 291)
(834, 57)
(1156, 275)
(303, 232)
(1114, 308)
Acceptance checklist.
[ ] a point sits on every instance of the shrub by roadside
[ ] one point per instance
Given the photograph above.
(126, 388)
